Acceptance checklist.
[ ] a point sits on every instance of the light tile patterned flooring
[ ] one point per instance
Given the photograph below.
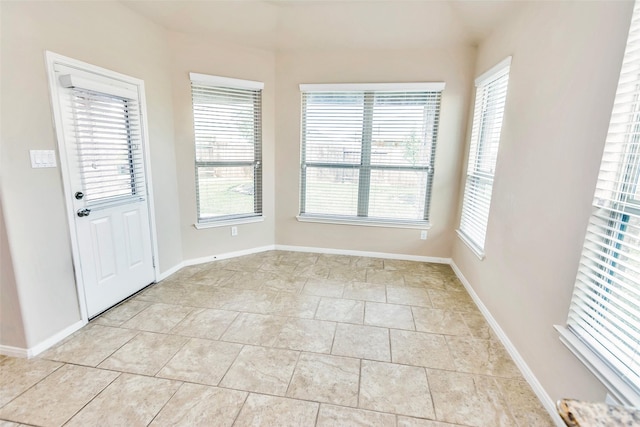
(278, 339)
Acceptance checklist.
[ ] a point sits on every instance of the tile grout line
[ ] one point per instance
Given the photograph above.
(390, 349)
(167, 402)
(293, 371)
(413, 319)
(241, 407)
(453, 371)
(187, 340)
(93, 398)
(364, 314)
(318, 414)
(229, 368)
(333, 339)
(238, 313)
(433, 403)
(359, 382)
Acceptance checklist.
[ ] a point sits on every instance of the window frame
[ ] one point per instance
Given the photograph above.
(475, 175)
(228, 83)
(364, 168)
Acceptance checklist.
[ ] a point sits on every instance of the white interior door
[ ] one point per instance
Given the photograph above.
(103, 151)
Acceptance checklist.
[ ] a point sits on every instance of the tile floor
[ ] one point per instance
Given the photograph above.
(280, 339)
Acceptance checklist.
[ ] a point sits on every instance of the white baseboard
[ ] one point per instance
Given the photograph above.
(11, 351)
(227, 255)
(385, 255)
(527, 373)
(44, 345)
(211, 258)
(170, 271)
(53, 340)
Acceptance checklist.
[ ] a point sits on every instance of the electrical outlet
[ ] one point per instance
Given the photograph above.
(423, 235)
(234, 231)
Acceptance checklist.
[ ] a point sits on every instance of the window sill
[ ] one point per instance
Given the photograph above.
(474, 248)
(619, 389)
(416, 225)
(227, 222)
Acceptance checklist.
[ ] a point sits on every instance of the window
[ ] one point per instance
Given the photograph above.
(368, 152)
(604, 314)
(228, 138)
(107, 135)
(491, 94)
(103, 117)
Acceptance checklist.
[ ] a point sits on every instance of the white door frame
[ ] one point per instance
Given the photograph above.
(52, 59)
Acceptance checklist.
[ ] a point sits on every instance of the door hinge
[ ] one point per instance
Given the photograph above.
(153, 261)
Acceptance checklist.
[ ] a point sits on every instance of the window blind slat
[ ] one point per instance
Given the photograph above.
(605, 307)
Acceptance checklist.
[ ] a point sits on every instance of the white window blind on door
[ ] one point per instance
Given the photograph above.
(108, 143)
(605, 308)
(368, 151)
(227, 116)
(491, 96)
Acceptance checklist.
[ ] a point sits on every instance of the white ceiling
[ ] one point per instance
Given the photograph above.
(331, 24)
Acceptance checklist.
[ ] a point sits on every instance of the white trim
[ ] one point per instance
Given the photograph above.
(225, 81)
(610, 400)
(491, 72)
(227, 255)
(149, 178)
(223, 223)
(346, 87)
(52, 59)
(620, 390)
(471, 245)
(385, 255)
(422, 225)
(44, 345)
(527, 373)
(170, 271)
(55, 339)
(11, 351)
(84, 69)
(73, 81)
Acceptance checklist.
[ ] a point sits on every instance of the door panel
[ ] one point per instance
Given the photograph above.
(132, 232)
(102, 240)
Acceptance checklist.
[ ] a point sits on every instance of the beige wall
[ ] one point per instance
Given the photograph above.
(105, 34)
(11, 327)
(453, 65)
(206, 56)
(566, 60)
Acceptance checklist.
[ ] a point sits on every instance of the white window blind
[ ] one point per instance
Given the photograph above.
(228, 137)
(491, 95)
(605, 308)
(368, 153)
(108, 146)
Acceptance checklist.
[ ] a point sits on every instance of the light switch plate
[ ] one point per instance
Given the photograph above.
(43, 158)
